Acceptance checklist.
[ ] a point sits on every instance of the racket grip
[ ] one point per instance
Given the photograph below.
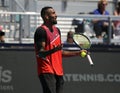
(89, 59)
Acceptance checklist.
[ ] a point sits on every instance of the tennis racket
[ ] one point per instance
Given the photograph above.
(83, 42)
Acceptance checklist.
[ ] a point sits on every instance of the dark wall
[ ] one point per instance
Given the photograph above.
(18, 73)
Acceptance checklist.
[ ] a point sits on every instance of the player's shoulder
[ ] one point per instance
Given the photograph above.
(39, 30)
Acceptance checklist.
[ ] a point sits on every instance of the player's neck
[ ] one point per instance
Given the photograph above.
(49, 26)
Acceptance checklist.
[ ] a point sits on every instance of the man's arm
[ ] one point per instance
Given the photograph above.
(73, 53)
(44, 53)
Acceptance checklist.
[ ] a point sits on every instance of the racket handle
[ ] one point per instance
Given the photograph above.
(90, 60)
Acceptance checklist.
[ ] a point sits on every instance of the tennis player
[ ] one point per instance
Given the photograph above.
(47, 41)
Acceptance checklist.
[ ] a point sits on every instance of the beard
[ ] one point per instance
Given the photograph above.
(54, 22)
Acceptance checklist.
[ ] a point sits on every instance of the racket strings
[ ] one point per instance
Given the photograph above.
(82, 41)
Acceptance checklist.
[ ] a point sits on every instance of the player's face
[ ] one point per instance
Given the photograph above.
(52, 17)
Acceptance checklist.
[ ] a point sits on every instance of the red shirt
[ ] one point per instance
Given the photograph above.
(54, 61)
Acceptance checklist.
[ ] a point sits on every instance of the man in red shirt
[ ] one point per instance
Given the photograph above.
(47, 41)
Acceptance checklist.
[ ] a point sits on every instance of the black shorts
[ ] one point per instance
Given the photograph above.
(51, 83)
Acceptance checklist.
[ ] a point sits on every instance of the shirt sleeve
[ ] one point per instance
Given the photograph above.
(39, 37)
